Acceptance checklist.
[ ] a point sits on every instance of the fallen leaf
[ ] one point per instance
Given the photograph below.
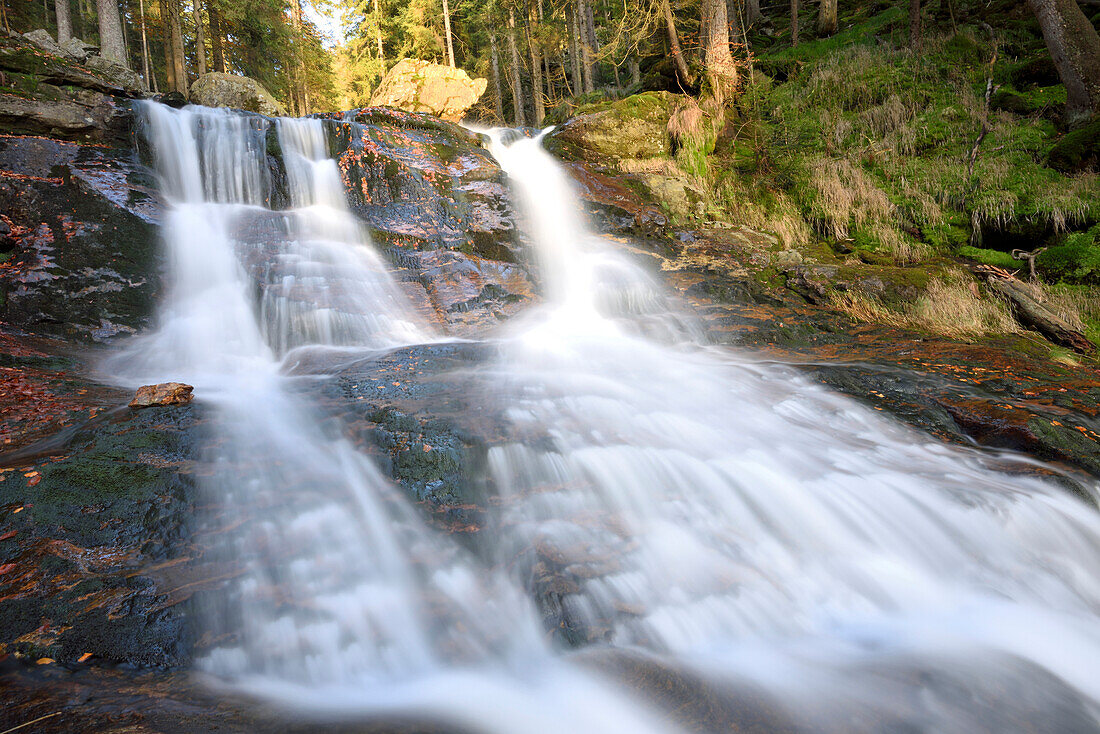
(83, 657)
(44, 661)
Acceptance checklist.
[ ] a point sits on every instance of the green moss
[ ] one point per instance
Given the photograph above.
(990, 257)
(1075, 260)
(1077, 150)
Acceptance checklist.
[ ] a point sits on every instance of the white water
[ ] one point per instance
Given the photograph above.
(725, 516)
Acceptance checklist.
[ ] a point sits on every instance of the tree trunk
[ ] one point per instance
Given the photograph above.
(498, 103)
(575, 50)
(826, 17)
(111, 43)
(635, 72)
(914, 23)
(591, 45)
(149, 83)
(174, 39)
(447, 30)
(64, 20)
(717, 59)
(752, 13)
(536, 70)
(794, 22)
(298, 73)
(200, 39)
(1075, 48)
(217, 54)
(674, 41)
(519, 116)
(378, 30)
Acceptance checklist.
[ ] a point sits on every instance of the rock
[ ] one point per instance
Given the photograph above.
(1078, 150)
(115, 73)
(78, 50)
(231, 90)
(173, 99)
(421, 86)
(606, 134)
(422, 183)
(44, 41)
(166, 393)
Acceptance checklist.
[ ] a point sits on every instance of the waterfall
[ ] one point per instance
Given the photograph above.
(683, 535)
(733, 516)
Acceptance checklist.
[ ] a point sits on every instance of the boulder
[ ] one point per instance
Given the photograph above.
(606, 133)
(231, 90)
(421, 86)
(166, 393)
(78, 50)
(44, 41)
(115, 73)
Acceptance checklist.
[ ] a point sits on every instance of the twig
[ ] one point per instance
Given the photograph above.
(40, 718)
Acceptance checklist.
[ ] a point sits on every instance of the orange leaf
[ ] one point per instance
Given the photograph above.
(44, 661)
(83, 657)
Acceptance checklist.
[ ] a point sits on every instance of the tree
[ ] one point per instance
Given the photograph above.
(794, 22)
(674, 42)
(217, 53)
(200, 39)
(447, 31)
(752, 13)
(826, 18)
(64, 21)
(112, 45)
(519, 116)
(914, 23)
(717, 60)
(173, 48)
(1075, 48)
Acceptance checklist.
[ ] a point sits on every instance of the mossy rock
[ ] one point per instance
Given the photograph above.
(1044, 99)
(604, 133)
(1038, 71)
(1078, 150)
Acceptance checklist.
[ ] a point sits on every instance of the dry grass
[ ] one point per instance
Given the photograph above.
(950, 307)
(845, 196)
(904, 250)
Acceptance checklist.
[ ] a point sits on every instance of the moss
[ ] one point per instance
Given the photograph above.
(1078, 150)
(1075, 260)
(989, 257)
(1041, 100)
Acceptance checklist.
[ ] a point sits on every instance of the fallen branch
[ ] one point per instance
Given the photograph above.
(1029, 256)
(1030, 312)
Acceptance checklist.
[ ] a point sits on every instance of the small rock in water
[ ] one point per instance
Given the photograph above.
(166, 393)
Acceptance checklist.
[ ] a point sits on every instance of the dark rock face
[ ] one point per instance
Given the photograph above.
(422, 183)
(90, 541)
(84, 248)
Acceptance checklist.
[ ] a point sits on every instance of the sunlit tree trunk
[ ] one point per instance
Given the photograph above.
(519, 116)
(64, 20)
(591, 46)
(674, 42)
(447, 30)
(200, 38)
(575, 49)
(1075, 48)
(174, 37)
(826, 18)
(378, 32)
(111, 43)
(717, 59)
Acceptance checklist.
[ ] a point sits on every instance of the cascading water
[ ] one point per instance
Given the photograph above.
(340, 598)
(725, 526)
(736, 518)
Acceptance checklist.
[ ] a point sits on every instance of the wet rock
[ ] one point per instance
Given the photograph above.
(166, 393)
(173, 99)
(422, 183)
(115, 73)
(421, 86)
(85, 260)
(470, 292)
(93, 534)
(216, 89)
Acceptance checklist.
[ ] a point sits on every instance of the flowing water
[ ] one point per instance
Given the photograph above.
(732, 532)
